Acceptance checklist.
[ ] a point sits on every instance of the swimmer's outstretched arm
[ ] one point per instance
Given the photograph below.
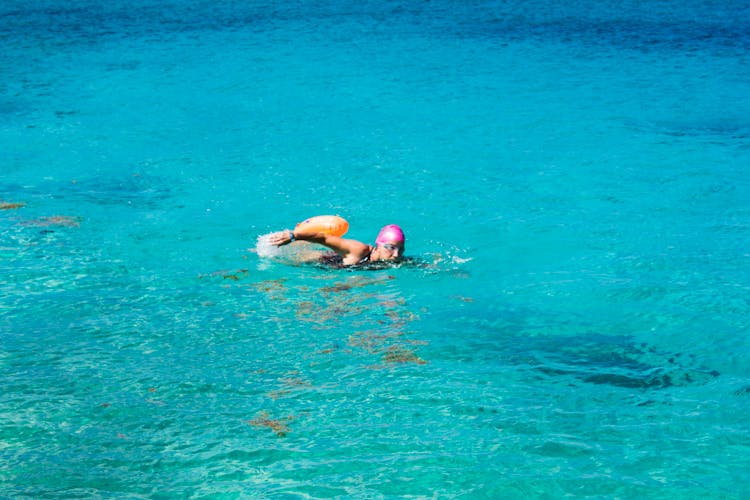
(350, 250)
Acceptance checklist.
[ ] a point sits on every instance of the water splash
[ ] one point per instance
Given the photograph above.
(265, 249)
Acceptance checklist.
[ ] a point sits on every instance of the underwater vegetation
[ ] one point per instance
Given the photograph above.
(290, 383)
(355, 282)
(227, 275)
(399, 354)
(280, 426)
(4, 205)
(55, 220)
(354, 321)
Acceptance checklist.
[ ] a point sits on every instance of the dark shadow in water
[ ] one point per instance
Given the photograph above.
(611, 360)
(728, 128)
(629, 32)
(130, 189)
(634, 25)
(136, 190)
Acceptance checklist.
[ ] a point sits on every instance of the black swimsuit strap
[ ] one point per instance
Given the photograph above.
(366, 258)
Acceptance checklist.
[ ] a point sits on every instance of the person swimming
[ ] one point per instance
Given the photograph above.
(389, 246)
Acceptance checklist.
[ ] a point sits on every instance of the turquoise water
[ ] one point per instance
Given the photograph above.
(574, 173)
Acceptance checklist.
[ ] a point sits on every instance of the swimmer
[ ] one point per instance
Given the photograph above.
(389, 246)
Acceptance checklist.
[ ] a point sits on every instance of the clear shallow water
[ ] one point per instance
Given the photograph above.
(580, 170)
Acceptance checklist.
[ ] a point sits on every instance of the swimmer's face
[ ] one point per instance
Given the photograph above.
(391, 251)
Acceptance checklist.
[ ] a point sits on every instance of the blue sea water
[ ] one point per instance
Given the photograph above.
(573, 175)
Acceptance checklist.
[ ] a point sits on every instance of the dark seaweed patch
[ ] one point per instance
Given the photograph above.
(612, 360)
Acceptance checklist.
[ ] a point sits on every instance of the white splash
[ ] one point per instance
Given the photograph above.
(265, 249)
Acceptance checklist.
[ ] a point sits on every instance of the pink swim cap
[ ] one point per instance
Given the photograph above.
(390, 234)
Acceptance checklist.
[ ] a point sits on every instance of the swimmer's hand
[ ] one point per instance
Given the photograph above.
(281, 238)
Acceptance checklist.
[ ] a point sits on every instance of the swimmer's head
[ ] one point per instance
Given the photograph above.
(391, 241)
(390, 234)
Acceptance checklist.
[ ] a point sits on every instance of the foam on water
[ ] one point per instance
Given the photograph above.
(265, 249)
